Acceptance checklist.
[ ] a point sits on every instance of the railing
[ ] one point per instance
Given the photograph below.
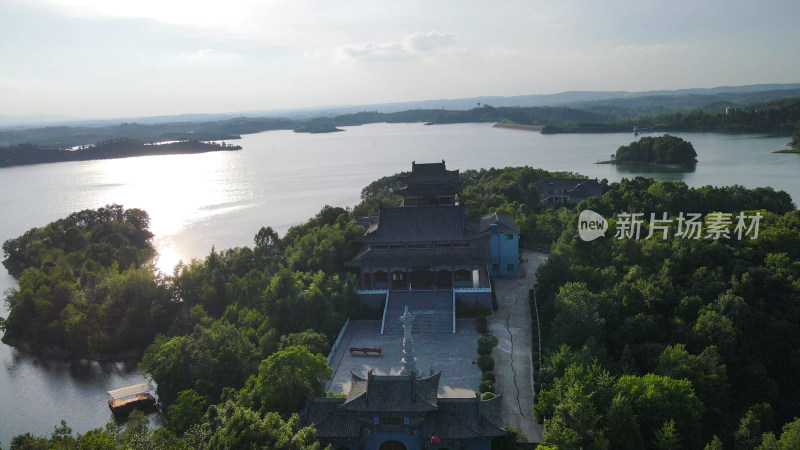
(454, 311)
(338, 341)
(371, 291)
(473, 289)
(385, 307)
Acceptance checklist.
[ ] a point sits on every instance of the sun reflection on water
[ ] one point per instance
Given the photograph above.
(177, 191)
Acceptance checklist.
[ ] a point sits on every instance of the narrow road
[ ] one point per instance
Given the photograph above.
(511, 323)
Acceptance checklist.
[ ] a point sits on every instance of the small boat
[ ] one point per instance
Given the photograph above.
(123, 401)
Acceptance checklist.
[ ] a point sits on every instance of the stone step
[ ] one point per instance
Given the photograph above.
(423, 323)
(433, 311)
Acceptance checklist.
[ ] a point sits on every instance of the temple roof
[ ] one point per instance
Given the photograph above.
(478, 252)
(422, 224)
(400, 393)
(429, 173)
(329, 420)
(422, 190)
(465, 418)
(449, 418)
(505, 223)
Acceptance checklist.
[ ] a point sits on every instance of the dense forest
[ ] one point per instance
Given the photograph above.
(650, 343)
(114, 148)
(673, 343)
(85, 287)
(664, 149)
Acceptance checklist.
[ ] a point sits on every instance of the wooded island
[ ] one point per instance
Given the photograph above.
(663, 150)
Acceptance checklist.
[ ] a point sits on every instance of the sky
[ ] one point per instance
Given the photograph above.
(109, 58)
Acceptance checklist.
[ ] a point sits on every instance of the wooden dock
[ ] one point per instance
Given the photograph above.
(125, 400)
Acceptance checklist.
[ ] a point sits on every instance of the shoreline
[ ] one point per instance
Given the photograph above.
(516, 126)
(61, 354)
(791, 150)
(647, 163)
(21, 156)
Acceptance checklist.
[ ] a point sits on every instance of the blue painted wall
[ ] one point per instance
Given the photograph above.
(506, 252)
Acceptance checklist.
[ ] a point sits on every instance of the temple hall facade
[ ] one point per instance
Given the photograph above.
(430, 254)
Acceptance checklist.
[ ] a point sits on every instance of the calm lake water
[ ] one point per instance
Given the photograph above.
(279, 179)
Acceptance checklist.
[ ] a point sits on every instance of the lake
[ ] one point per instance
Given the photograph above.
(279, 179)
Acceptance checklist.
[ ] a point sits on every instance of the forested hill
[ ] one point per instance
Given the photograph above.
(778, 116)
(671, 341)
(116, 148)
(781, 117)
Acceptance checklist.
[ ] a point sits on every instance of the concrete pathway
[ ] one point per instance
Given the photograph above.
(511, 323)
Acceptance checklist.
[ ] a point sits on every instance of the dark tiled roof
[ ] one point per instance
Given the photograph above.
(448, 418)
(572, 186)
(493, 412)
(589, 188)
(463, 418)
(329, 420)
(428, 173)
(392, 394)
(428, 189)
(477, 253)
(422, 224)
(505, 223)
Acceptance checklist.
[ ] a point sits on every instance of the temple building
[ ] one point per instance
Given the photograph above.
(560, 191)
(429, 185)
(403, 412)
(430, 254)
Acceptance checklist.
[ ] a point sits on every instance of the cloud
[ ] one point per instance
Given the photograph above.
(656, 48)
(201, 53)
(370, 51)
(426, 42)
(413, 45)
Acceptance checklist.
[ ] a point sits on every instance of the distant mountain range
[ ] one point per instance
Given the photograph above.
(648, 100)
(754, 93)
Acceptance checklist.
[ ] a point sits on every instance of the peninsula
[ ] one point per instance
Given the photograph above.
(24, 154)
(505, 123)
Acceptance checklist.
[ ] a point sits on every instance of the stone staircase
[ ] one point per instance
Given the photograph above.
(432, 310)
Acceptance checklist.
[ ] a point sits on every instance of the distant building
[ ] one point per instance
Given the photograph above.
(560, 191)
(732, 108)
(429, 185)
(403, 412)
(503, 243)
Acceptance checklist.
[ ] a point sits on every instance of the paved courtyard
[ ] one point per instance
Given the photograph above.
(452, 354)
(455, 354)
